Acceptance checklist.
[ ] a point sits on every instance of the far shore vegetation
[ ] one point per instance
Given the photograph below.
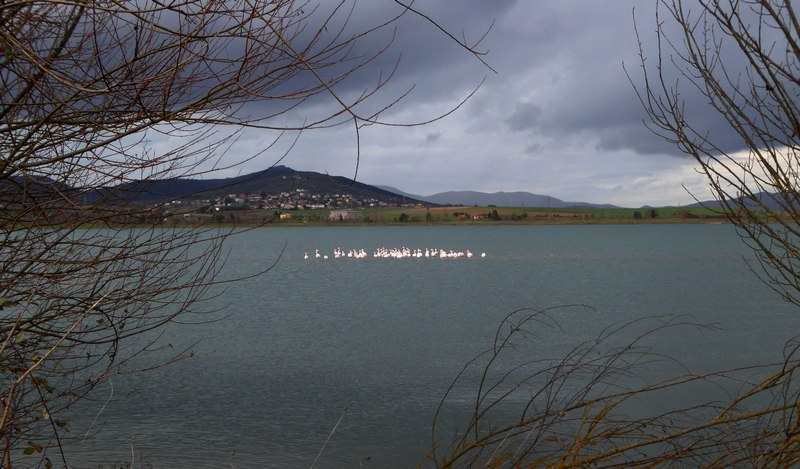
(450, 215)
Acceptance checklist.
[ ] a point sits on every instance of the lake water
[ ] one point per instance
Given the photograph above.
(369, 346)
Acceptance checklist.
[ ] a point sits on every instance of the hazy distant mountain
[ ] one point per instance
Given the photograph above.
(407, 195)
(768, 200)
(500, 199)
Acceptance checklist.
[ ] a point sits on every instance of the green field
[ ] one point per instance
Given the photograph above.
(540, 215)
(460, 216)
(454, 216)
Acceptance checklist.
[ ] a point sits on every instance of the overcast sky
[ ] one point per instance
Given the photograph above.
(559, 117)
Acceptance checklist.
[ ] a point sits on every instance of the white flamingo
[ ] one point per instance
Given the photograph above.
(395, 253)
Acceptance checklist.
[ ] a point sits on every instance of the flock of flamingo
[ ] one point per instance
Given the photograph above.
(394, 253)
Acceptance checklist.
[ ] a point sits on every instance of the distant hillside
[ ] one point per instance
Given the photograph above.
(500, 199)
(24, 189)
(271, 181)
(768, 200)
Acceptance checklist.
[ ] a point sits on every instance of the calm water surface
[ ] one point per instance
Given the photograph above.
(373, 344)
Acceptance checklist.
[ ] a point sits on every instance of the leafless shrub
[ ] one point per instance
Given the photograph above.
(87, 277)
(594, 406)
(741, 59)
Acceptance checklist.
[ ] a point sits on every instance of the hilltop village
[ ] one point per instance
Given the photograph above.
(298, 199)
(307, 206)
(236, 207)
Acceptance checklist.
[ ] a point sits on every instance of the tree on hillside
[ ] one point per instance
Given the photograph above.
(99, 94)
(740, 59)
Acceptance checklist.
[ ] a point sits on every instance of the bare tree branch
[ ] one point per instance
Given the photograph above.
(88, 276)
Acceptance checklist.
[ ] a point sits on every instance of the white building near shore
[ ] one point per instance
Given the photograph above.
(345, 215)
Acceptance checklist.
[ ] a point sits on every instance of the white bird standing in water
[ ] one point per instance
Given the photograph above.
(397, 253)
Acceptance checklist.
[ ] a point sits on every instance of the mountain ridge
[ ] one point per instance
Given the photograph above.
(282, 179)
(500, 199)
(274, 180)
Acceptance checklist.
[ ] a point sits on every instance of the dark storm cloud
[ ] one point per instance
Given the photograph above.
(560, 102)
(559, 64)
(427, 58)
(414, 47)
(575, 79)
(575, 86)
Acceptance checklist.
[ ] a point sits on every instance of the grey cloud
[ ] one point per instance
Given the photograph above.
(566, 55)
(418, 56)
(570, 64)
(525, 116)
(560, 80)
(432, 137)
(534, 148)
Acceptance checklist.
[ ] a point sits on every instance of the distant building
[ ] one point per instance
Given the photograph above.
(345, 215)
